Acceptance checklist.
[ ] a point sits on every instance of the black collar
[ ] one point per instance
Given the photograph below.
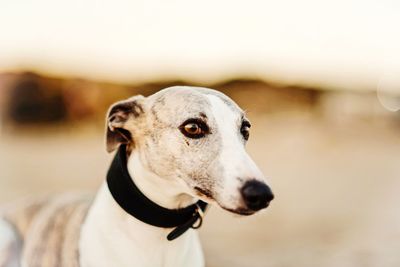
(134, 202)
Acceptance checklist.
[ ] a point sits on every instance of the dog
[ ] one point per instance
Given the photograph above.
(177, 150)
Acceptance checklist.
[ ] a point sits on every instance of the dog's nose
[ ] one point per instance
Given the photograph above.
(256, 195)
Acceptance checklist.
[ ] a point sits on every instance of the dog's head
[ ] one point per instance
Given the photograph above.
(194, 135)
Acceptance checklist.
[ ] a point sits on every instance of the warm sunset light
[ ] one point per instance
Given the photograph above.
(336, 44)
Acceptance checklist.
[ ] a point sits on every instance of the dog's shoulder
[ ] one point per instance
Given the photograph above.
(49, 229)
(22, 213)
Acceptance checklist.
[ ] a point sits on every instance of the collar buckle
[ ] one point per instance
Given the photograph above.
(197, 217)
(200, 215)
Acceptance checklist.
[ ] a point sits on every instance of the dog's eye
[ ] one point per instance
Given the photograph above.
(245, 130)
(194, 128)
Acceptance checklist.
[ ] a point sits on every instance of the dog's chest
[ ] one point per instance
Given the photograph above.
(110, 237)
(122, 252)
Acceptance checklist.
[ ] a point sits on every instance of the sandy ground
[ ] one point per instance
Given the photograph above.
(337, 188)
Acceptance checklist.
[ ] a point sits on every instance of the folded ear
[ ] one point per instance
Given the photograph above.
(118, 118)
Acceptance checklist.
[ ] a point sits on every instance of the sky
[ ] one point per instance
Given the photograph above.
(335, 44)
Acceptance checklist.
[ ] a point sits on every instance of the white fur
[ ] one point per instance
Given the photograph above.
(238, 166)
(169, 193)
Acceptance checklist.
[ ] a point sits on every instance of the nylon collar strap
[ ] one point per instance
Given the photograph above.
(133, 201)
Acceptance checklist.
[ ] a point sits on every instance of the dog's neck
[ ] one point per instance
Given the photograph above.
(164, 192)
(109, 230)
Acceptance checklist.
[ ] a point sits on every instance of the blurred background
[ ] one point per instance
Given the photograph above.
(320, 81)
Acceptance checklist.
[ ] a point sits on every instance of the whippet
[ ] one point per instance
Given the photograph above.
(177, 150)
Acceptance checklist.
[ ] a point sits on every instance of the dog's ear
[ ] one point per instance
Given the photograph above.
(118, 117)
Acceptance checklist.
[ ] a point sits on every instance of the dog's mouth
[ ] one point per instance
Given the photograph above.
(242, 211)
(206, 196)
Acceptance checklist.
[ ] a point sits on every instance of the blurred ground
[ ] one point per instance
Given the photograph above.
(335, 171)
